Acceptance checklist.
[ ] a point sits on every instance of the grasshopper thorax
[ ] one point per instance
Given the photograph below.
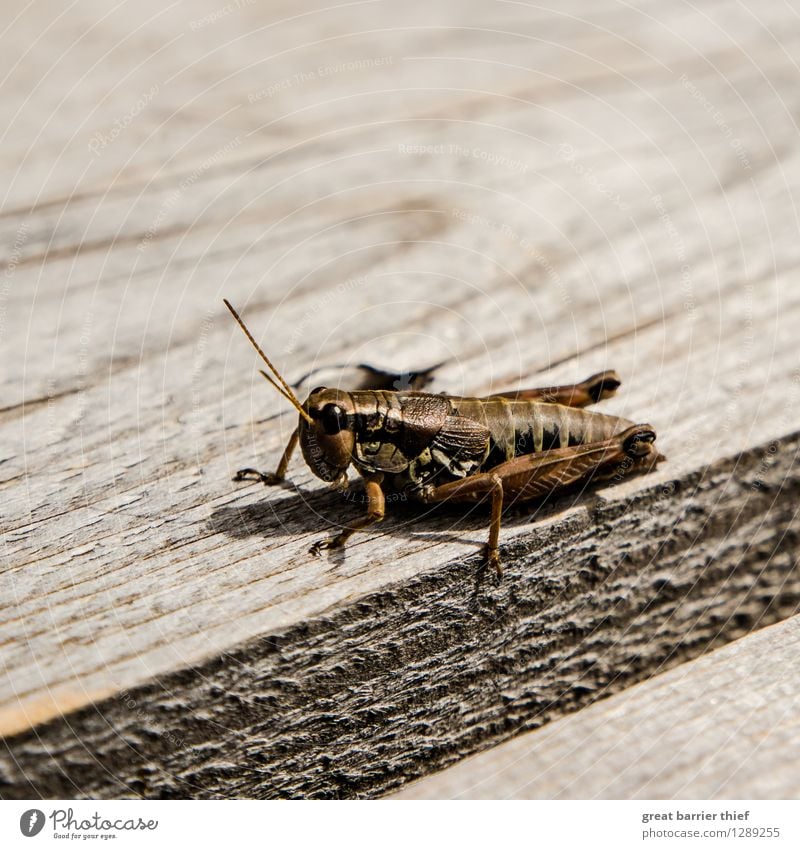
(328, 440)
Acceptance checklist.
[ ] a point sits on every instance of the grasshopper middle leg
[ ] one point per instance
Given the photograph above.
(533, 476)
(376, 510)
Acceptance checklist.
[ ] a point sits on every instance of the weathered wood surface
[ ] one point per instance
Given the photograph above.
(721, 727)
(601, 186)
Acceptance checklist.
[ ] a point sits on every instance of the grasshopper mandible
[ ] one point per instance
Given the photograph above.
(510, 447)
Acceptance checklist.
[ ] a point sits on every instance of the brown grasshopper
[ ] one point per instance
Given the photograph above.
(511, 447)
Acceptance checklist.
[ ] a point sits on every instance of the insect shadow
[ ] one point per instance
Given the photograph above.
(298, 511)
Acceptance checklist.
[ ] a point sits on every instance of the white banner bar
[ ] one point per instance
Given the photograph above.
(403, 825)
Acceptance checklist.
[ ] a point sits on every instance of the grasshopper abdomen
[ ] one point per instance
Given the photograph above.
(528, 427)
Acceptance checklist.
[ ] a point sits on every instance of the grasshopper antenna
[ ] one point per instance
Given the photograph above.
(284, 387)
(276, 385)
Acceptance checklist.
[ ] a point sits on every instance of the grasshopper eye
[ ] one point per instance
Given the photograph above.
(334, 418)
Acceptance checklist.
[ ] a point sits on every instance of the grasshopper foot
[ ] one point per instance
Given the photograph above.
(493, 561)
(330, 543)
(267, 478)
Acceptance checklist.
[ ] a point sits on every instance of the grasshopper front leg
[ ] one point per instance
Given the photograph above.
(279, 475)
(376, 510)
(533, 476)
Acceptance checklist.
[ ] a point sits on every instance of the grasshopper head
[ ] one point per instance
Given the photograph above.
(328, 442)
(326, 426)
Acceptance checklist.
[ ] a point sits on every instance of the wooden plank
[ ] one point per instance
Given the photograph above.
(720, 727)
(575, 206)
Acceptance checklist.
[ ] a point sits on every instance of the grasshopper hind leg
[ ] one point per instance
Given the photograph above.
(535, 476)
(594, 389)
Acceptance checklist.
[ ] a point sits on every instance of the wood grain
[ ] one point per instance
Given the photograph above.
(720, 727)
(531, 195)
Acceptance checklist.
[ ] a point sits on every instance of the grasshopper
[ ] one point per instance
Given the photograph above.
(509, 447)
